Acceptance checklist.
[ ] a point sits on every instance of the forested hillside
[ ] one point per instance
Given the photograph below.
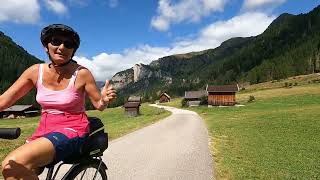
(13, 61)
(289, 46)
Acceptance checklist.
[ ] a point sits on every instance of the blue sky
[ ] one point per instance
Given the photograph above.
(116, 34)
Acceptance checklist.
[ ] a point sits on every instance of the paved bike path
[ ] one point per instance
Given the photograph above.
(175, 148)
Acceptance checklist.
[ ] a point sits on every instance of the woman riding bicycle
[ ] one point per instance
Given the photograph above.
(61, 87)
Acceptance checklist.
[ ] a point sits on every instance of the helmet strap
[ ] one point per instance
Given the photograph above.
(60, 65)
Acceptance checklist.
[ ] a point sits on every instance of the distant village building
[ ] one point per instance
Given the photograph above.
(132, 107)
(164, 97)
(224, 95)
(20, 111)
(193, 98)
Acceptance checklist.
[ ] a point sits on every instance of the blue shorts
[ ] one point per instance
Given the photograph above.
(65, 148)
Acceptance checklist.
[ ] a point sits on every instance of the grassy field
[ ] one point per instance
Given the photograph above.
(293, 81)
(275, 137)
(176, 102)
(115, 122)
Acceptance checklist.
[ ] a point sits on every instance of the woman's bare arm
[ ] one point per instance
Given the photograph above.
(20, 88)
(98, 99)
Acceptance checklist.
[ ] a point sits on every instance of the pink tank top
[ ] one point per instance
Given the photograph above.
(62, 111)
(57, 102)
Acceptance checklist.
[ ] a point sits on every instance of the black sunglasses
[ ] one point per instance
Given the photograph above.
(57, 42)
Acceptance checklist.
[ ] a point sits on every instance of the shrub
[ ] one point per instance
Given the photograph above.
(184, 102)
(251, 99)
(152, 101)
(204, 100)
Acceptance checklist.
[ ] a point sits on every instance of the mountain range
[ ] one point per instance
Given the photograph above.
(14, 59)
(289, 46)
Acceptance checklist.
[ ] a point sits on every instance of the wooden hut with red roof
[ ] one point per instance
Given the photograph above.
(224, 95)
(164, 97)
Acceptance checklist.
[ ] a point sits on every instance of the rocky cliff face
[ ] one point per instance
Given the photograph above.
(137, 73)
(122, 79)
(141, 71)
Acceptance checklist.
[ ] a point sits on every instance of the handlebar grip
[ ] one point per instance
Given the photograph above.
(10, 133)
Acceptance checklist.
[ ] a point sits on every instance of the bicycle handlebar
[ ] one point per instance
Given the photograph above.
(10, 133)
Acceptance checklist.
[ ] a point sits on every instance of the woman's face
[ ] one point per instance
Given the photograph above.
(60, 49)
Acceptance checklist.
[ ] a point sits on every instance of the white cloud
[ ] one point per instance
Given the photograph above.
(104, 66)
(28, 12)
(20, 11)
(245, 25)
(261, 4)
(185, 10)
(56, 6)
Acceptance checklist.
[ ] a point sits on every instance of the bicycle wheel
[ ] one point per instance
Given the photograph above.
(88, 172)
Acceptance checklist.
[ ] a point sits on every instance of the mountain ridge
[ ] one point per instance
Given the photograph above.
(288, 47)
(14, 60)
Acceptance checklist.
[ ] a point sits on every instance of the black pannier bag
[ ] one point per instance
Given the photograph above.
(97, 141)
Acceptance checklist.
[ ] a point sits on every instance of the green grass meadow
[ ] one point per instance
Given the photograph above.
(277, 136)
(274, 137)
(116, 124)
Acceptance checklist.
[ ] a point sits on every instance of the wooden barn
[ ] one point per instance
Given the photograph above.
(132, 108)
(224, 95)
(20, 111)
(134, 99)
(164, 97)
(193, 98)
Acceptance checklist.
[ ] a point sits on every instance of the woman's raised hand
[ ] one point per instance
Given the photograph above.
(108, 93)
